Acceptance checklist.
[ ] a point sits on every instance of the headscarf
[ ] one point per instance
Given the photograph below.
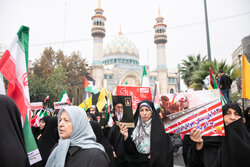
(247, 117)
(48, 139)
(161, 149)
(235, 148)
(12, 146)
(142, 132)
(45, 120)
(234, 106)
(82, 136)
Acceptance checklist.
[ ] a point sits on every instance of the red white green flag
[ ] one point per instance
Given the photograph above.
(144, 79)
(36, 119)
(64, 97)
(14, 67)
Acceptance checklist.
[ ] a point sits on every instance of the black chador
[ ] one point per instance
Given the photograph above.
(12, 146)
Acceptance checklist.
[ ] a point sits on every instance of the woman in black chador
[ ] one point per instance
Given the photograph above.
(247, 118)
(48, 140)
(147, 145)
(232, 150)
(12, 146)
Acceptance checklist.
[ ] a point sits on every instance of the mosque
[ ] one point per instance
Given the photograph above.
(118, 63)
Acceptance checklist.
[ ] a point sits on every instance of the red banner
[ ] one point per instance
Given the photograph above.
(137, 93)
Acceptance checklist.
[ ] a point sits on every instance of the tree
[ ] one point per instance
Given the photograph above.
(75, 72)
(55, 71)
(37, 88)
(199, 75)
(189, 66)
(44, 66)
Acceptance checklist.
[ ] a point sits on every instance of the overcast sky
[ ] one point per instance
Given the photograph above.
(51, 22)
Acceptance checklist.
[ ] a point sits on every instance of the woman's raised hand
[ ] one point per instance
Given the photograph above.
(124, 130)
(195, 136)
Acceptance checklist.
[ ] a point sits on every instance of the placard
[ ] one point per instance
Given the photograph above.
(59, 105)
(36, 105)
(197, 109)
(137, 93)
(127, 116)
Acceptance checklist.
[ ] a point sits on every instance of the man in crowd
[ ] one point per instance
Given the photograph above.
(225, 84)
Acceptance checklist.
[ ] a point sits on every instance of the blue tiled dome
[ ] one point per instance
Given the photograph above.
(121, 45)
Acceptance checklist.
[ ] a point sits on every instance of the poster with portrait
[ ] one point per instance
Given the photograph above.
(198, 109)
(137, 93)
(123, 110)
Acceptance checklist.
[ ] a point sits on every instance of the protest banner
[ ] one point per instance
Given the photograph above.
(127, 115)
(36, 105)
(197, 109)
(137, 93)
(59, 105)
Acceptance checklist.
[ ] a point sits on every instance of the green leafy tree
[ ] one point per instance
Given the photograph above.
(37, 88)
(189, 66)
(75, 71)
(199, 75)
(55, 71)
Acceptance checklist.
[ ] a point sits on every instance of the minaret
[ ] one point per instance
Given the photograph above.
(160, 39)
(98, 33)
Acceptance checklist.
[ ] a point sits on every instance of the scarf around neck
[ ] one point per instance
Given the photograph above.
(141, 136)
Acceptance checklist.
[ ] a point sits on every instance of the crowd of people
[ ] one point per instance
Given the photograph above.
(75, 137)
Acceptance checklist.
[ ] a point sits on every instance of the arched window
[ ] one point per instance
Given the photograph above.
(171, 90)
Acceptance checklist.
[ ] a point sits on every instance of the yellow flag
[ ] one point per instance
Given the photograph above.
(101, 100)
(245, 78)
(86, 104)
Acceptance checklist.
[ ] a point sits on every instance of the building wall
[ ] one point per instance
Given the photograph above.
(235, 58)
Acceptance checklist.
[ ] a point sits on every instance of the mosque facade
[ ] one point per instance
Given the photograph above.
(118, 63)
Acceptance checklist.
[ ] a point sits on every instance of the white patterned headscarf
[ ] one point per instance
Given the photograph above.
(142, 133)
(82, 136)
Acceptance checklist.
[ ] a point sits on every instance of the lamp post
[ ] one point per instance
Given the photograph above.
(207, 32)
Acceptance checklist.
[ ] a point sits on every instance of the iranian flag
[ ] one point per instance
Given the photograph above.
(14, 67)
(144, 80)
(36, 120)
(89, 84)
(64, 97)
(46, 99)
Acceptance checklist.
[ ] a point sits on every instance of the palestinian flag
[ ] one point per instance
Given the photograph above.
(64, 97)
(89, 84)
(14, 67)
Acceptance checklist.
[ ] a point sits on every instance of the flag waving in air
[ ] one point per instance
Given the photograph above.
(14, 67)
(213, 85)
(245, 78)
(144, 79)
(46, 99)
(89, 84)
(64, 97)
